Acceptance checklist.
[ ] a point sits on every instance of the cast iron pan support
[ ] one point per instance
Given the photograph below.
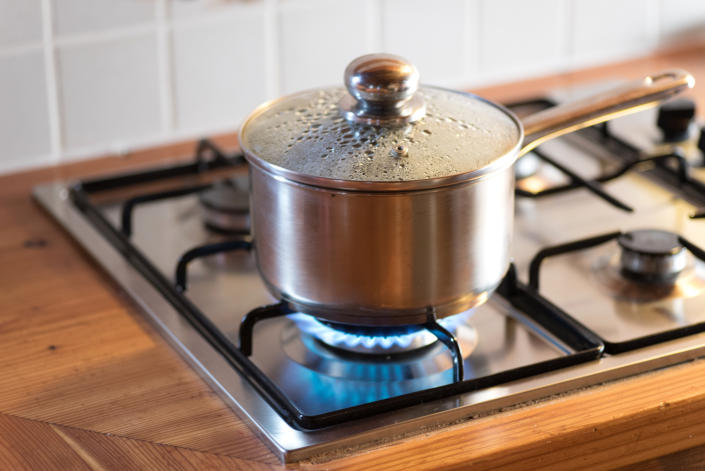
(282, 309)
(535, 265)
(448, 340)
(248, 322)
(128, 207)
(576, 181)
(204, 251)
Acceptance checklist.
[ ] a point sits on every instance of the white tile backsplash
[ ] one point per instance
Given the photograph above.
(228, 56)
(427, 34)
(108, 92)
(20, 22)
(127, 73)
(521, 38)
(190, 9)
(24, 122)
(682, 19)
(605, 30)
(318, 38)
(83, 16)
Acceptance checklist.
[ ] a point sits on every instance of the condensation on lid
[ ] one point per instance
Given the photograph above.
(306, 133)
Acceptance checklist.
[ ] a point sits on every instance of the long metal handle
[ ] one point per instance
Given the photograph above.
(625, 99)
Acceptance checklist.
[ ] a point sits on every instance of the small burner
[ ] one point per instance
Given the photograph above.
(651, 255)
(226, 206)
(374, 340)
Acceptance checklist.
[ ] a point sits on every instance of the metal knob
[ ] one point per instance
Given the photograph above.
(382, 90)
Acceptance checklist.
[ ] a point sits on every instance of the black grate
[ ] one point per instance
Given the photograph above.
(670, 168)
(583, 345)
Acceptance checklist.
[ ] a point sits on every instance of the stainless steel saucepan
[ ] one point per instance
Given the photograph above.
(387, 202)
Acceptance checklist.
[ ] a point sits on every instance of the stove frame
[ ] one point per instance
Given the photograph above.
(236, 379)
(583, 343)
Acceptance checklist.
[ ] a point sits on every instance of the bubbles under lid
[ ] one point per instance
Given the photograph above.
(306, 133)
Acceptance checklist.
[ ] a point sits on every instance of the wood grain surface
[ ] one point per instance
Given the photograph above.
(86, 383)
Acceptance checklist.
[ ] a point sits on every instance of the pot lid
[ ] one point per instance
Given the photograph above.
(382, 132)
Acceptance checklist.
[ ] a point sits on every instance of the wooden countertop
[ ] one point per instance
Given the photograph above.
(87, 383)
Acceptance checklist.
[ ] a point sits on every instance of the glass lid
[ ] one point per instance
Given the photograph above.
(382, 129)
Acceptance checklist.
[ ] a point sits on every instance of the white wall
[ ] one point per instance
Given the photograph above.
(85, 77)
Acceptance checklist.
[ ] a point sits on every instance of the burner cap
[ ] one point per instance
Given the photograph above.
(226, 206)
(651, 255)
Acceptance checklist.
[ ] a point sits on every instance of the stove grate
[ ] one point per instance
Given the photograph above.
(671, 168)
(581, 345)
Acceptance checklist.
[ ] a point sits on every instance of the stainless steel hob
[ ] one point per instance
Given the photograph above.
(607, 281)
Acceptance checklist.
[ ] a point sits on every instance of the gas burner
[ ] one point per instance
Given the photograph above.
(651, 265)
(226, 206)
(651, 255)
(386, 373)
(688, 284)
(375, 340)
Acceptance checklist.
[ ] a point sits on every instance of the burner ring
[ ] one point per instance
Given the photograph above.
(374, 340)
(226, 206)
(651, 255)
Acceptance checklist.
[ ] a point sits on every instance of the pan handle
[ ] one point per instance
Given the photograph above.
(625, 99)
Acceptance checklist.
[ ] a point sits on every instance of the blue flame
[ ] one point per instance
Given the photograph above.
(333, 337)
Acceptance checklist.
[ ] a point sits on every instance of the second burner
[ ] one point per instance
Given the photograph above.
(651, 255)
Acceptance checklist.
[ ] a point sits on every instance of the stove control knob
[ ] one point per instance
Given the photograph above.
(701, 140)
(675, 117)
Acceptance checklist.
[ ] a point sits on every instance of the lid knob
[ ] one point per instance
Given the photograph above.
(382, 90)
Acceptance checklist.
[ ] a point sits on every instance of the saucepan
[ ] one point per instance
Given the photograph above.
(383, 202)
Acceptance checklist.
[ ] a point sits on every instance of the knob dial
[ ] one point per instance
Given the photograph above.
(675, 117)
(382, 90)
(701, 140)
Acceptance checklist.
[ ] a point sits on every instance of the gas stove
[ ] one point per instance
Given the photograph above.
(607, 280)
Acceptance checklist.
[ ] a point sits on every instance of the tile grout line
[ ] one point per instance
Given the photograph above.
(477, 26)
(271, 49)
(374, 39)
(164, 69)
(51, 82)
(656, 20)
(153, 140)
(470, 45)
(215, 19)
(110, 34)
(661, 36)
(568, 48)
(26, 48)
